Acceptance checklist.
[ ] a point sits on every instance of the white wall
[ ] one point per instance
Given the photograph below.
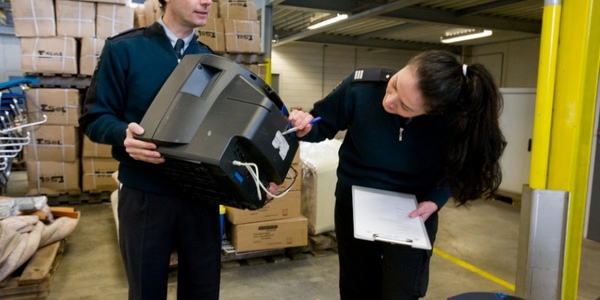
(308, 72)
(10, 57)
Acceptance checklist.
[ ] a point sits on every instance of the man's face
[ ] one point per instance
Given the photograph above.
(189, 13)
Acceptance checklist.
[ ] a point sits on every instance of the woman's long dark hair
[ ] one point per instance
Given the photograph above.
(469, 92)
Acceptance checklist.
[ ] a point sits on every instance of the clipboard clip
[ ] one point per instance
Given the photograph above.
(407, 242)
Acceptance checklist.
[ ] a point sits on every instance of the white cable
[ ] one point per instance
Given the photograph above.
(253, 170)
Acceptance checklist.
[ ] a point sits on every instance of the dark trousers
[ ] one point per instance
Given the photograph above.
(379, 270)
(151, 227)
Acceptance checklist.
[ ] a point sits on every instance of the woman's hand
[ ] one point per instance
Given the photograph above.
(301, 120)
(424, 209)
(141, 150)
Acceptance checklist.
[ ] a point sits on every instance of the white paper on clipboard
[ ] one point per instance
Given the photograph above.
(383, 216)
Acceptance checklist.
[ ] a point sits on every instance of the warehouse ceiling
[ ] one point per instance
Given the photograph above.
(405, 24)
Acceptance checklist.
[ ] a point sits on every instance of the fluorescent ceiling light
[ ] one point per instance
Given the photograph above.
(464, 35)
(337, 18)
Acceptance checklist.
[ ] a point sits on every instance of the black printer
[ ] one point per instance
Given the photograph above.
(220, 127)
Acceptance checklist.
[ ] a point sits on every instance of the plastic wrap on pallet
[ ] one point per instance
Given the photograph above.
(13, 206)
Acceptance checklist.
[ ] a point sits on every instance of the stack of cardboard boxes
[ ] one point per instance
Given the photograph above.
(65, 37)
(97, 167)
(52, 156)
(279, 224)
(61, 38)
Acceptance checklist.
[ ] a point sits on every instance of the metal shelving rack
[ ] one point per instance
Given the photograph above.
(14, 124)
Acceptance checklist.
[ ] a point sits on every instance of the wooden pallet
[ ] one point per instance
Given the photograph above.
(509, 197)
(34, 279)
(71, 198)
(247, 58)
(76, 81)
(318, 245)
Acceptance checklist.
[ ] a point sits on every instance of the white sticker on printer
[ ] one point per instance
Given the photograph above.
(279, 142)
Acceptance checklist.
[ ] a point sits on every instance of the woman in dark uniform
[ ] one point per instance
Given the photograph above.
(430, 129)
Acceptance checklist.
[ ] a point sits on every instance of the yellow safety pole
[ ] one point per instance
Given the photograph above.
(544, 95)
(268, 77)
(572, 125)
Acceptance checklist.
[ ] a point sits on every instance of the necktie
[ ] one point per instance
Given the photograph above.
(178, 47)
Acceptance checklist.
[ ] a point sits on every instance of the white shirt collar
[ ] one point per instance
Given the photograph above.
(173, 38)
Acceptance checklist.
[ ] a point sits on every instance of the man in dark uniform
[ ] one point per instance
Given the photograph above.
(154, 216)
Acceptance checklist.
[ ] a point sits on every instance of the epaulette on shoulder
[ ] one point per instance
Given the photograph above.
(127, 33)
(373, 75)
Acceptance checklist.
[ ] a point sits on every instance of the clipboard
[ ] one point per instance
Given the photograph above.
(381, 215)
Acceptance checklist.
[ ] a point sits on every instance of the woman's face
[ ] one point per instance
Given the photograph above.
(402, 95)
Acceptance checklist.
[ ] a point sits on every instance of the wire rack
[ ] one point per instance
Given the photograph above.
(14, 122)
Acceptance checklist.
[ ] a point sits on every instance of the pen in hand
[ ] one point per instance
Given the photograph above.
(294, 129)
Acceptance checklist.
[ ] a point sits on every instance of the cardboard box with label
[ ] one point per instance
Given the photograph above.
(53, 143)
(34, 18)
(57, 55)
(212, 34)
(275, 234)
(97, 174)
(91, 149)
(242, 36)
(287, 206)
(52, 177)
(91, 48)
(75, 18)
(60, 106)
(237, 10)
(112, 19)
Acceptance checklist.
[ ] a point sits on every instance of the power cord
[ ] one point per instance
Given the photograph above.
(253, 170)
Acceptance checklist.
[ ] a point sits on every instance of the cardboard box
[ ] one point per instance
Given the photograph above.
(61, 106)
(242, 36)
(51, 177)
(112, 19)
(75, 18)
(91, 149)
(287, 206)
(122, 2)
(238, 10)
(53, 143)
(91, 48)
(34, 18)
(139, 16)
(212, 34)
(295, 171)
(152, 11)
(97, 174)
(282, 233)
(259, 69)
(57, 55)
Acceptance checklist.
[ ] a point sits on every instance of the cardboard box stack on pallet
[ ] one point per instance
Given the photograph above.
(62, 40)
(277, 225)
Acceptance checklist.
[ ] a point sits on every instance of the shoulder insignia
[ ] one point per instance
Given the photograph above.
(127, 33)
(372, 75)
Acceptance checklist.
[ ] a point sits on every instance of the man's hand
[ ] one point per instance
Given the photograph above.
(424, 209)
(141, 150)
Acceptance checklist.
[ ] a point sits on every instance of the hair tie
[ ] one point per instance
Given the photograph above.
(465, 69)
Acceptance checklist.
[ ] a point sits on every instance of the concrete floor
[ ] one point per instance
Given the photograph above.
(484, 236)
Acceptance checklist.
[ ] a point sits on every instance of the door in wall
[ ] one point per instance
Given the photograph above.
(593, 212)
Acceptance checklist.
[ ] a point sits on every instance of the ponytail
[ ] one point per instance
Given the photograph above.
(477, 143)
